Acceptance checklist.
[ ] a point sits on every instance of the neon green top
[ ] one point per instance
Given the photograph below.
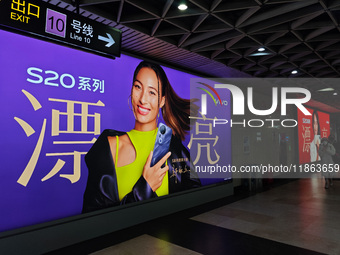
(128, 175)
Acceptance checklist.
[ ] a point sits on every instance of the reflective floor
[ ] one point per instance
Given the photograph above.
(298, 217)
(301, 213)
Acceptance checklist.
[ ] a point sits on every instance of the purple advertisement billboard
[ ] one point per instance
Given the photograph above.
(55, 102)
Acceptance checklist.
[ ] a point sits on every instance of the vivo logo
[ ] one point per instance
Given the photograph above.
(239, 102)
(217, 101)
(224, 102)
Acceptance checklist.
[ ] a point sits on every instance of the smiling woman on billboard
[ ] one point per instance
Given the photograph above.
(314, 146)
(119, 162)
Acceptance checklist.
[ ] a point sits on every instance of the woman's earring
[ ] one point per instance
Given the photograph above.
(158, 116)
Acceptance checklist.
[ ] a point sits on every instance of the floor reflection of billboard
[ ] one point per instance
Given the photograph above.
(311, 129)
(55, 101)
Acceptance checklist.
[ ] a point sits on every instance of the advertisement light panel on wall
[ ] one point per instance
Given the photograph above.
(311, 129)
(55, 101)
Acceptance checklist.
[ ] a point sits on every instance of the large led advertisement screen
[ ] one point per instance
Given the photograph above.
(311, 129)
(55, 103)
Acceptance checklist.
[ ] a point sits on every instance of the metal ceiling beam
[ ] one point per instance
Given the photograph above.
(95, 2)
(226, 54)
(168, 32)
(287, 47)
(155, 27)
(246, 15)
(274, 36)
(218, 46)
(214, 4)
(181, 24)
(277, 64)
(290, 16)
(146, 6)
(166, 7)
(183, 39)
(335, 62)
(296, 57)
(300, 22)
(324, 73)
(325, 44)
(120, 10)
(216, 53)
(233, 41)
(201, 4)
(199, 21)
(309, 62)
(333, 4)
(195, 38)
(216, 39)
(278, 11)
(269, 30)
(228, 6)
(318, 32)
(315, 24)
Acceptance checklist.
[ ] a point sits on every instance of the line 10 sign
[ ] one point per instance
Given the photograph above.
(45, 20)
(55, 23)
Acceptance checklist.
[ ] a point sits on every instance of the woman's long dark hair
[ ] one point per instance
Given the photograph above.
(176, 110)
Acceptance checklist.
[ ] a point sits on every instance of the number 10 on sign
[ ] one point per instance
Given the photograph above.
(55, 23)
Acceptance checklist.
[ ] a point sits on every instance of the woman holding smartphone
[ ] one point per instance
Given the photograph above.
(314, 145)
(119, 162)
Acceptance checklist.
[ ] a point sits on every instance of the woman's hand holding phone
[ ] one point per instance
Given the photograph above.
(154, 175)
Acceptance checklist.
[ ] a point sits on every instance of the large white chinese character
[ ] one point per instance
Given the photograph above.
(88, 30)
(98, 84)
(76, 24)
(84, 83)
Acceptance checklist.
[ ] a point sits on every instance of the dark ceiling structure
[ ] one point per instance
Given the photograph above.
(222, 38)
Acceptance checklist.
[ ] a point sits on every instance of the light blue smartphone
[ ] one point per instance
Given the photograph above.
(162, 143)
